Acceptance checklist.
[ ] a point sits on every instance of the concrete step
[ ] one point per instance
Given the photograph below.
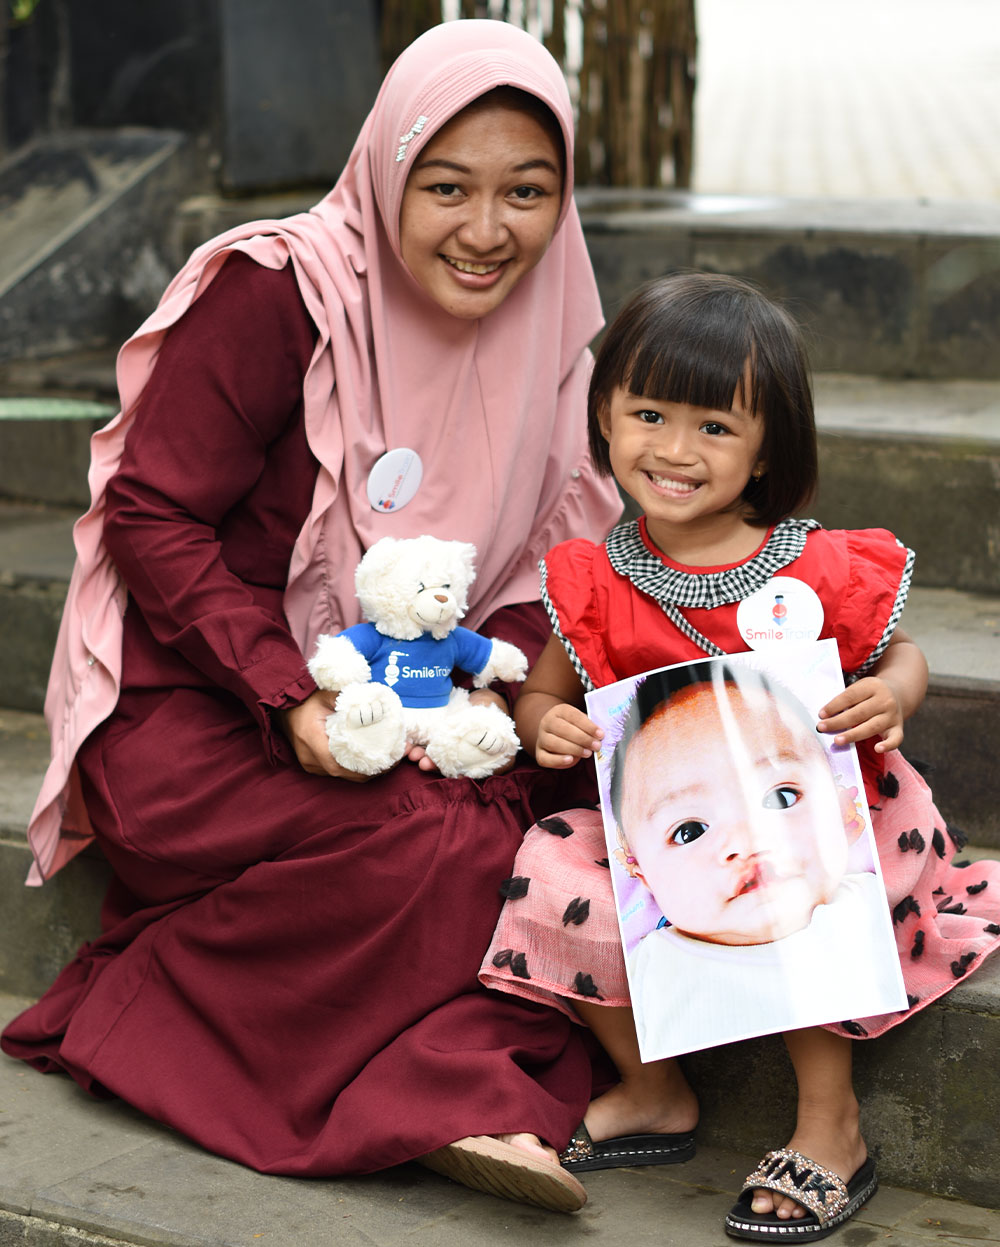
(887, 288)
(921, 458)
(85, 223)
(91, 1173)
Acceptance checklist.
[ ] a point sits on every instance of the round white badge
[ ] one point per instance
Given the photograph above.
(785, 609)
(394, 479)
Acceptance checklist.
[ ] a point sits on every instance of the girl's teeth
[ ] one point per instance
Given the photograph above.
(464, 266)
(665, 482)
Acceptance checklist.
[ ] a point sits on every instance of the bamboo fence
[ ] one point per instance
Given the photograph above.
(630, 69)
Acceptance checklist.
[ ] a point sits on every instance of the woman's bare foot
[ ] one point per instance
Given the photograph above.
(531, 1144)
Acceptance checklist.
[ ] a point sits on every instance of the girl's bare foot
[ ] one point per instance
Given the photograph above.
(662, 1103)
(827, 1127)
(842, 1150)
(651, 1098)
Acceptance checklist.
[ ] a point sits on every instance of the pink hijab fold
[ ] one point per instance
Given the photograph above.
(495, 408)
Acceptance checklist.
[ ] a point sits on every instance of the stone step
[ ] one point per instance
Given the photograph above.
(886, 288)
(88, 1173)
(921, 458)
(930, 1099)
(86, 219)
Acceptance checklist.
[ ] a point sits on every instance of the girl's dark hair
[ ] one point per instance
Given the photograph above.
(698, 338)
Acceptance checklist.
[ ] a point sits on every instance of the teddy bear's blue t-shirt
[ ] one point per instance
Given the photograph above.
(420, 671)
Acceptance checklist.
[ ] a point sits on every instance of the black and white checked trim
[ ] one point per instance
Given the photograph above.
(672, 589)
(567, 644)
(705, 590)
(893, 620)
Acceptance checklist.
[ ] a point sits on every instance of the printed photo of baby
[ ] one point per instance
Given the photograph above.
(742, 847)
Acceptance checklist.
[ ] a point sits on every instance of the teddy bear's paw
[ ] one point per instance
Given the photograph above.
(366, 731)
(506, 663)
(474, 741)
(336, 663)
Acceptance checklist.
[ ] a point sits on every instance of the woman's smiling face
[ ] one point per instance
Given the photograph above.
(480, 208)
(730, 808)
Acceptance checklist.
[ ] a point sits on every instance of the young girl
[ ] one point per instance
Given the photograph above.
(700, 406)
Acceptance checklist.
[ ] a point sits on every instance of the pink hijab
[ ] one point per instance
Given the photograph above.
(495, 407)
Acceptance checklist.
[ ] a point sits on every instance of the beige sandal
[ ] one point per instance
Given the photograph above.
(487, 1164)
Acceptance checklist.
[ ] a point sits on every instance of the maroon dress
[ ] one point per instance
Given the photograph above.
(287, 966)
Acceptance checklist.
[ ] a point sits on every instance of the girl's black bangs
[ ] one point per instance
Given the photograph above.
(698, 372)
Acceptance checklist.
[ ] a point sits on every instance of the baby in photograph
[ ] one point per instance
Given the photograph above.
(729, 812)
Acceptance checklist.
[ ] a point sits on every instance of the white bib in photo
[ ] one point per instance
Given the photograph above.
(785, 609)
(394, 479)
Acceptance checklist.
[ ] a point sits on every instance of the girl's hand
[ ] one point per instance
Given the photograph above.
(565, 735)
(478, 697)
(869, 707)
(305, 727)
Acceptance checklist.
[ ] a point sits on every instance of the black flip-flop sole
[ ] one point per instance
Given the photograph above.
(635, 1149)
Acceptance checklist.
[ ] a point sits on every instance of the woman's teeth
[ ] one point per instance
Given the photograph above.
(464, 266)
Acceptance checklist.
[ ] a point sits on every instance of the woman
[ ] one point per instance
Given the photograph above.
(287, 966)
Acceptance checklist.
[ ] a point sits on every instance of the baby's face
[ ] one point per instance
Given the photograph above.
(732, 813)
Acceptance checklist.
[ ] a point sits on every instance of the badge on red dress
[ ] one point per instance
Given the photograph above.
(785, 609)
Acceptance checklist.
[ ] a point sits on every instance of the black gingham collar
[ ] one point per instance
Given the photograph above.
(630, 557)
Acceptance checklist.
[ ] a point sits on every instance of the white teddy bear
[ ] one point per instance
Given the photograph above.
(393, 674)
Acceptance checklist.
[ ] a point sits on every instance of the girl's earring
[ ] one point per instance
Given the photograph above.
(757, 473)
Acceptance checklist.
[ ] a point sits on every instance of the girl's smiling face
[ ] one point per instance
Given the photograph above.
(480, 208)
(731, 810)
(685, 466)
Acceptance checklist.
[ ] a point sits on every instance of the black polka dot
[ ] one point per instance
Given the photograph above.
(974, 889)
(583, 985)
(855, 1029)
(515, 887)
(556, 826)
(918, 945)
(938, 842)
(517, 961)
(577, 912)
(958, 837)
(959, 967)
(992, 929)
(908, 905)
(912, 1000)
(888, 785)
(603, 861)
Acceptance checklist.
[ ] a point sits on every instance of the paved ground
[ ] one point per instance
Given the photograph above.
(849, 98)
(99, 1174)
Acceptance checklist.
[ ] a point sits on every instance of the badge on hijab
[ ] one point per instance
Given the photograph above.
(394, 479)
(785, 609)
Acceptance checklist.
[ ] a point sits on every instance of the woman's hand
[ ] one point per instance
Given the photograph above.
(305, 727)
(869, 707)
(565, 735)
